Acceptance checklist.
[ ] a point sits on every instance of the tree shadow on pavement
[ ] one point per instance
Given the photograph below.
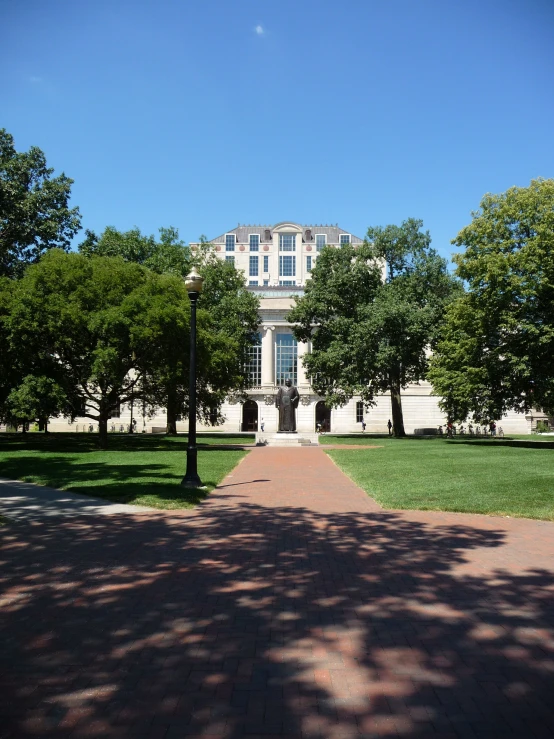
(252, 621)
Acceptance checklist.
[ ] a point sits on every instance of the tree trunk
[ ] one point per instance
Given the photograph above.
(171, 429)
(103, 433)
(396, 405)
(43, 425)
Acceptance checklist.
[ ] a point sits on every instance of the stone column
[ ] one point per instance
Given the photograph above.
(302, 350)
(268, 355)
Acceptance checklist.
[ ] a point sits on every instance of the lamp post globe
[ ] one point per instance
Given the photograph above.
(193, 284)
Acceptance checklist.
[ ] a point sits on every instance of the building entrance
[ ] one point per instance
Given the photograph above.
(249, 416)
(322, 417)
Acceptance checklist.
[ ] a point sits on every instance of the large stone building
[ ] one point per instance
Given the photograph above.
(276, 262)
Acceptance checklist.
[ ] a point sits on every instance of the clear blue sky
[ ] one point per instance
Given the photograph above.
(204, 113)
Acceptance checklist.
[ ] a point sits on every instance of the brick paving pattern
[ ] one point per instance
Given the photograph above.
(288, 604)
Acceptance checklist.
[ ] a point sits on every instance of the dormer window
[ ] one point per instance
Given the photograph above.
(287, 242)
(267, 235)
(230, 242)
(320, 241)
(254, 242)
(344, 238)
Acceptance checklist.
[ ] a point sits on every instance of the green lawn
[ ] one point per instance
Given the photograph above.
(471, 476)
(141, 470)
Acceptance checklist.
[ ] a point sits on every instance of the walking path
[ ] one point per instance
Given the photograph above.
(24, 501)
(288, 604)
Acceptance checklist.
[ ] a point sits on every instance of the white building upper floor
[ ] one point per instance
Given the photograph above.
(282, 255)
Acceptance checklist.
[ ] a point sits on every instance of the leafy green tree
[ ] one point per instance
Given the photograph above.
(10, 373)
(37, 396)
(36, 399)
(167, 255)
(98, 324)
(372, 313)
(110, 332)
(498, 340)
(232, 309)
(34, 207)
(234, 315)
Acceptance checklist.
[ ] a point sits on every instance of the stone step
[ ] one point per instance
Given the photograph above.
(286, 439)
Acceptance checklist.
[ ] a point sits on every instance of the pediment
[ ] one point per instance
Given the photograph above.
(288, 226)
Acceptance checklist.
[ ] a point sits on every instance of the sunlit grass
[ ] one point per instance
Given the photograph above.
(465, 475)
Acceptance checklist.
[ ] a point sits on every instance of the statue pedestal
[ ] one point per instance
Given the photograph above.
(283, 438)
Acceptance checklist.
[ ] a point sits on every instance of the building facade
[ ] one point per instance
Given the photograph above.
(276, 261)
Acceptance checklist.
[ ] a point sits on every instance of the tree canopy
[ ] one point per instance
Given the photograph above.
(36, 398)
(34, 207)
(232, 309)
(498, 340)
(97, 326)
(168, 254)
(11, 355)
(372, 313)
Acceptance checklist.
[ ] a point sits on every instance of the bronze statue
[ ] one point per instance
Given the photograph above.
(287, 402)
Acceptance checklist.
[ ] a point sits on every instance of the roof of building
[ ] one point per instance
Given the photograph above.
(242, 233)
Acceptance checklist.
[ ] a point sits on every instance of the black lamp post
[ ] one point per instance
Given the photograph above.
(131, 429)
(193, 284)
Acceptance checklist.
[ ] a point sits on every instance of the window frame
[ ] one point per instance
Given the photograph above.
(227, 244)
(257, 247)
(341, 242)
(282, 258)
(281, 347)
(288, 248)
(319, 248)
(254, 364)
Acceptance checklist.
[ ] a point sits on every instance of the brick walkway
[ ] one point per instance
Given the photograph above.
(289, 604)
